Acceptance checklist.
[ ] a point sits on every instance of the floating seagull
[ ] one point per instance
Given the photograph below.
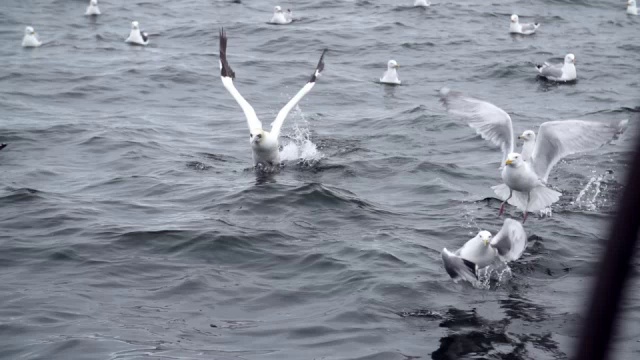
(93, 8)
(280, 18)
(30, 38)
(136, 36)
(391, 75)
(525, 29)
(481, 251)
(559, 72)
(525, 174)
(632, 9)
(264, 144)
(423, 3)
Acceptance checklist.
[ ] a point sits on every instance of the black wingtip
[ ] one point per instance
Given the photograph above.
(319, 67)
(471, 267)
(225, 69)
(2, 146)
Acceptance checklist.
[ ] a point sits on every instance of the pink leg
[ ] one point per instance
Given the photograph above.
(504, 202)
(525, 217)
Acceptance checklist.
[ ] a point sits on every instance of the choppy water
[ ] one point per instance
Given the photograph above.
(131, 226)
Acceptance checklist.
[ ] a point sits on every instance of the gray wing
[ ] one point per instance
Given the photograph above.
(489, 121)
(557, 139)
(528, 28)
(458, 268)
(553, 71)
(510, 241)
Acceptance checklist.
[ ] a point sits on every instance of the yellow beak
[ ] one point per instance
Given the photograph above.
(508, 162)
(486, 242)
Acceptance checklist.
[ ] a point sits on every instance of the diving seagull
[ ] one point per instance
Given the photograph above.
(30, 38)
(632, 9)
(559, 72)
(525, 29)
(281, 18)
(483, 250)
(93, 9)
(391, 75)
(525, 174)
(137, 36)
(264, 144)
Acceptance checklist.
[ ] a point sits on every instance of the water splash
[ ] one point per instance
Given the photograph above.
(300, 147)
(589, 197)
(493, 276)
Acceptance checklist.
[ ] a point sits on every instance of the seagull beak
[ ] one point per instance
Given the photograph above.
(486, 242)
(508, 162)
(397, 66)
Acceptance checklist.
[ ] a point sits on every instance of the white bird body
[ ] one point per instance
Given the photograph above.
(93, 9)
(525, 29)
(391, 75)
(423, 3)
(483, 250)
(30, 38)
(264, 145)
(559, 72)
(632, 8)
(525, 175)
(281, 18)
(136, 36)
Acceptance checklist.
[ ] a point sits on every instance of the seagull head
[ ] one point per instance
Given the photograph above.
(631, 3)
(514, 18)
(277, 9)
(514, 160)
(135, 25)
(570, 59)
(527, 136)
(256, 136)
(94, 2)
(29, 31)
(392, 64)
(485, 237)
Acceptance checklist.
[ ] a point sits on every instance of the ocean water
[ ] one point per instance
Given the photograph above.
(133, 227)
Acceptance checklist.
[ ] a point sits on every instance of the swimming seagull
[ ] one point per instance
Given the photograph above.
(423, 3)
(263, 144)
(93, 8)
(391, 75)
(559, 72)
(525, 29)
(136, 36)
(481, 251)
(30, 38)
(632, 9)
(525, 174)
(280, 18)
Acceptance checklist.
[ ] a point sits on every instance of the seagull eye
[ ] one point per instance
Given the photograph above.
(250, 135)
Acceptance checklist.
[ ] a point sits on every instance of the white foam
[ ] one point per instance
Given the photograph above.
(300, 147)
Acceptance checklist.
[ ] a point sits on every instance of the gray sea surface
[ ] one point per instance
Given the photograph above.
(133, 227)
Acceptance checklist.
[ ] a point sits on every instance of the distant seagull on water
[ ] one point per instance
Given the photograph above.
(525, 29)
(281, 18)
(391, 75)
(93, 9)
(30, 38)
(136, 36)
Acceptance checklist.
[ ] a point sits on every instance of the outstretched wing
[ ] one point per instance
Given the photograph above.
(458, 268)
(557, 139)
(489, 121)
(227, 75)
(510, 241)
(277, 123)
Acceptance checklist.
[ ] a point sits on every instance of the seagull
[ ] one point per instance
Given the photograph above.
(93, 8)
(525, 174)
(525, 29)
(559, 72)
(632, 9)
(481, 251)
(264, 144)
(423, 3)
(136, 36)
(280, 18)
(30, 38)
(391, 75)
